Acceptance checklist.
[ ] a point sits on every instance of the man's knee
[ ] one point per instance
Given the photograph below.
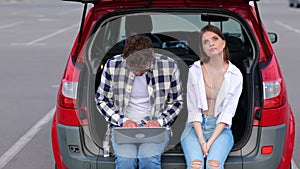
(125, 162)
(196, 164)
(214, 164)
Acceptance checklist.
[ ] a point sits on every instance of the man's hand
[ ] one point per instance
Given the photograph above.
(130, 124)
(152, 124)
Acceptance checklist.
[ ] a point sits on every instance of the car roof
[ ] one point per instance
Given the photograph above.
(167, 2)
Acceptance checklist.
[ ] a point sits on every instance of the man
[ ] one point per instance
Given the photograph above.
(139, 89)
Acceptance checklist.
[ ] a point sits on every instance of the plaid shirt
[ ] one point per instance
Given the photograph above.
(164, 88)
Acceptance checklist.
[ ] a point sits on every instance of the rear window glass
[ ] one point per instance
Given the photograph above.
(182, 30)
(175, 35)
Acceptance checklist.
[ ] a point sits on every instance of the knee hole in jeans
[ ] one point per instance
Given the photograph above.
(214, 164)
(196, 164)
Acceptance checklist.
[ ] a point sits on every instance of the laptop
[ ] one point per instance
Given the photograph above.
(139, 135)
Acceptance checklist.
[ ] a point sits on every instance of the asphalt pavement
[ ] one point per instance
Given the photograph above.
(36, 37)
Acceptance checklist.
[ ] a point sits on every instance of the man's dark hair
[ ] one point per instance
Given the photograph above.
(138, 51)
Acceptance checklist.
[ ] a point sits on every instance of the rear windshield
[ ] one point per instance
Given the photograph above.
(182, 32)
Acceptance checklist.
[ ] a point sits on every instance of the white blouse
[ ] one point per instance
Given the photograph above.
(227, 99)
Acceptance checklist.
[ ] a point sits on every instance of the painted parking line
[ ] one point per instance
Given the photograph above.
(10, 25)
(294, 166)
(294, 9)
(286, 26)
(43, 38)
(18, 146)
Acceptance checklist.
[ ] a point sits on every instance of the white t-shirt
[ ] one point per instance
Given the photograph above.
(139, 105)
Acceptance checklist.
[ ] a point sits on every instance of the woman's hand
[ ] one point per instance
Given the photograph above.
(219, 128)
(204, 148)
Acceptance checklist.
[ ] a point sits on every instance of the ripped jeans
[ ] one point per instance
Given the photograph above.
(219, 149)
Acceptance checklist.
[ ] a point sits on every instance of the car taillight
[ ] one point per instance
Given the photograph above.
(67, 93)
(273, 86)
(69, 89)
(271, 89)
(67, 109)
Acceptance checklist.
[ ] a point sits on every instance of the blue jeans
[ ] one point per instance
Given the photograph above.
(142, 156)
(219, 149)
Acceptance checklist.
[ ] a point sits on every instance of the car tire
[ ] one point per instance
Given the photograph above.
(291, 4)
(298, 5)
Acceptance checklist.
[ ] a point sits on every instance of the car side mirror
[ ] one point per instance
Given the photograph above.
(273, 37)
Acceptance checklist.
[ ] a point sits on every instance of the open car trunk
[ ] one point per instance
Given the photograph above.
(179, 40)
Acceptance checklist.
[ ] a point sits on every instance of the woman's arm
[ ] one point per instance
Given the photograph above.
(218, 130)
(198, 130)
(202, 142)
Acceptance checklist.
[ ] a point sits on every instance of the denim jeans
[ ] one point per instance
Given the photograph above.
(142, 156)
(219, 149)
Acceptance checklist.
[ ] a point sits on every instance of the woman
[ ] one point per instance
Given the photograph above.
(213, 90)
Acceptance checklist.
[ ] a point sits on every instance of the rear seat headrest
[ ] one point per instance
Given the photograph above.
(138, 24)
(234, 44)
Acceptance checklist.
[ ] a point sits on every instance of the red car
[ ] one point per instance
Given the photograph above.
(263, 127)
